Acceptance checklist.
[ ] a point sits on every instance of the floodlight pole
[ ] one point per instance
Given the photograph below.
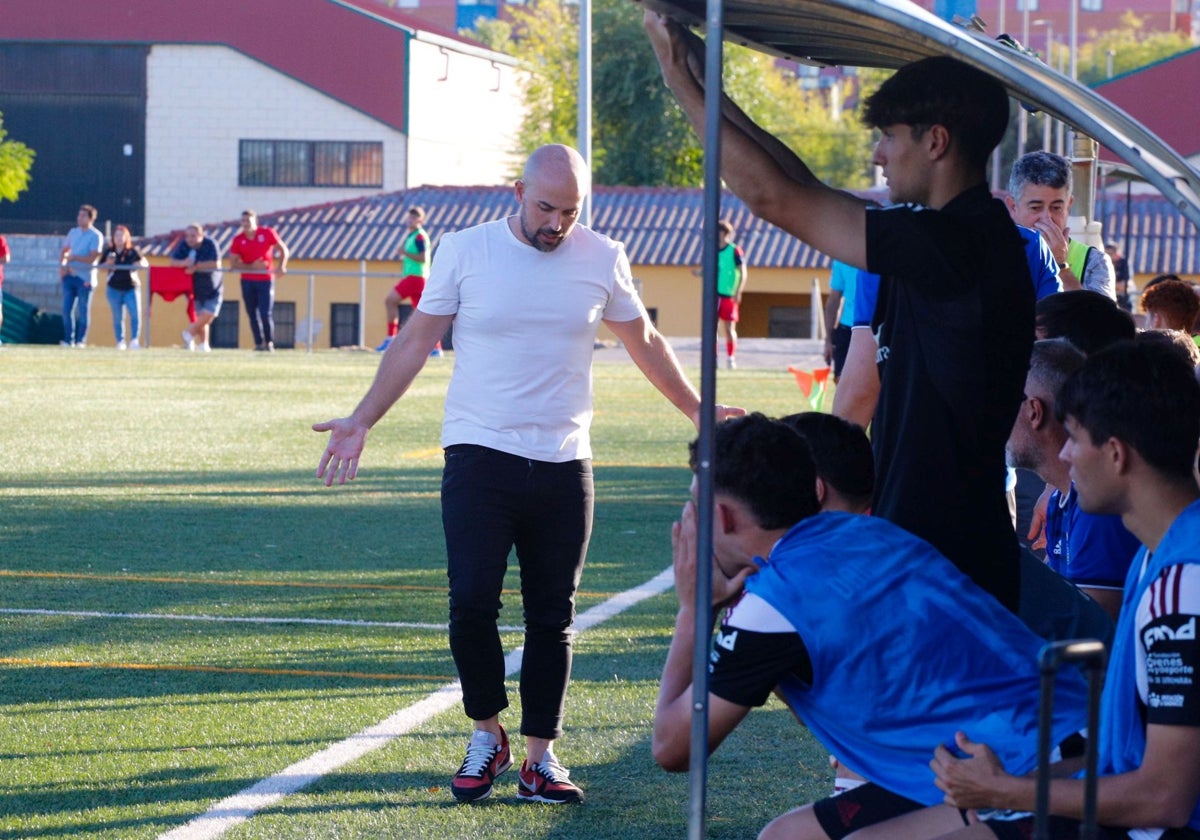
(698, 753)
(583, 130)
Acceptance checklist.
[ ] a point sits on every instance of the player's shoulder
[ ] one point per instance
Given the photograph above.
(753, 612)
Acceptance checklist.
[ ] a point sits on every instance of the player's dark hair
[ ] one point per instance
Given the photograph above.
(1180, 341)
(1146, 395)
(944, 91)
(1089, 320)
(841, 453)
(767, 466)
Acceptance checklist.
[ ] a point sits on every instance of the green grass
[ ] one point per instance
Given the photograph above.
(165, 483)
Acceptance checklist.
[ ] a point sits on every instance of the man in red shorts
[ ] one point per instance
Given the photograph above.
(414, 255)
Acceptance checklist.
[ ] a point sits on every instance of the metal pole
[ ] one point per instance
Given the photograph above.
(1023, 114)
(1074, 39)
(1059, 128)
(1048, 121)
(311, 321)
(584, 127)
(698, 753)
(362, 303)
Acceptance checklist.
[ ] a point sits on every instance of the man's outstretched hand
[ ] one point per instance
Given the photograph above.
(340, 460)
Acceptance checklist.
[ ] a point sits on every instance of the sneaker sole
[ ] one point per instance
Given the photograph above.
(470, 796)
(524, 796)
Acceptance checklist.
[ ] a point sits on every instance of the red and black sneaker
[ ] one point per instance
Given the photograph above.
(487, 757)
(546, 781)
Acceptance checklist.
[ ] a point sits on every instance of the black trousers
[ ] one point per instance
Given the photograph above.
(493, 502)
(258, 296)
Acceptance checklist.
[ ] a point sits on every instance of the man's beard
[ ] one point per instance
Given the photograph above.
(534, 237)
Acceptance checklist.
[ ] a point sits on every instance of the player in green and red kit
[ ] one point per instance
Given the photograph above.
(414, 255)
(731, 280)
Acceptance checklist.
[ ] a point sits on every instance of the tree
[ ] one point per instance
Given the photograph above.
(16, 160)
(544, 38)
(641, 135)
(1130, 47)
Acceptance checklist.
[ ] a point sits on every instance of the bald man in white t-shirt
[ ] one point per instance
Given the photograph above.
(516, 434)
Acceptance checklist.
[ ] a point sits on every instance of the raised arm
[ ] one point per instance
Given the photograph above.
(774, 183)
(397, 370)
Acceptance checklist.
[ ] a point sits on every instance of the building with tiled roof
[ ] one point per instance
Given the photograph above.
(161, 113)
(341, 250)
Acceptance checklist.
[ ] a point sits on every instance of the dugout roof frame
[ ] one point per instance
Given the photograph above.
(891, 33)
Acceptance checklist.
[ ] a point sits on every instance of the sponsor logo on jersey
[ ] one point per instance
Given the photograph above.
(1159, 701)
(1164, 633)
(727, 640)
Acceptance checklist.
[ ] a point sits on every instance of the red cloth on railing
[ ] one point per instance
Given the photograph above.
(169, 282)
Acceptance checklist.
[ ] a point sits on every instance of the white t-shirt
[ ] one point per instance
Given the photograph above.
(525, 325)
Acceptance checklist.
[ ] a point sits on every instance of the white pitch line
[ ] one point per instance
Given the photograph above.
(243, 805)
(225, 619)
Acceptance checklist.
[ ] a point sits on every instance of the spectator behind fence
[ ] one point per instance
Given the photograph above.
(254, 251)
(199, 256)
(124, 286)
(81, 248)
(1124, 280)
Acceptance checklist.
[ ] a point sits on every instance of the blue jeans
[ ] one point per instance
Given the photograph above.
(259, 298)
(120, 301)
(77, 306)
(491, 502)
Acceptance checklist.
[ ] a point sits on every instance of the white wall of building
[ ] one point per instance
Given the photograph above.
(201, 100)
(464, 115)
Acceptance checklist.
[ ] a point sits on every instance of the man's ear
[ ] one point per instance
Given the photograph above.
(727, 518)
(822, 492)
(1037, 413)
(1118, 454)
(937, 141)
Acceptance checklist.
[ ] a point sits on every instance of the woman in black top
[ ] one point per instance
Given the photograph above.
(123, 291)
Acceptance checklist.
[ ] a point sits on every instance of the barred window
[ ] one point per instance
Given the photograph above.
(309, 163)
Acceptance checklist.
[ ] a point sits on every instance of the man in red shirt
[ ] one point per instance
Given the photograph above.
(253, 252)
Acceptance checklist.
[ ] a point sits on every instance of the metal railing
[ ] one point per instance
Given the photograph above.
(309, 321)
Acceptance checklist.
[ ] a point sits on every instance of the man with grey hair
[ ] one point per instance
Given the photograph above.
(526, 295)
(1092, 551)
(1040, 197)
